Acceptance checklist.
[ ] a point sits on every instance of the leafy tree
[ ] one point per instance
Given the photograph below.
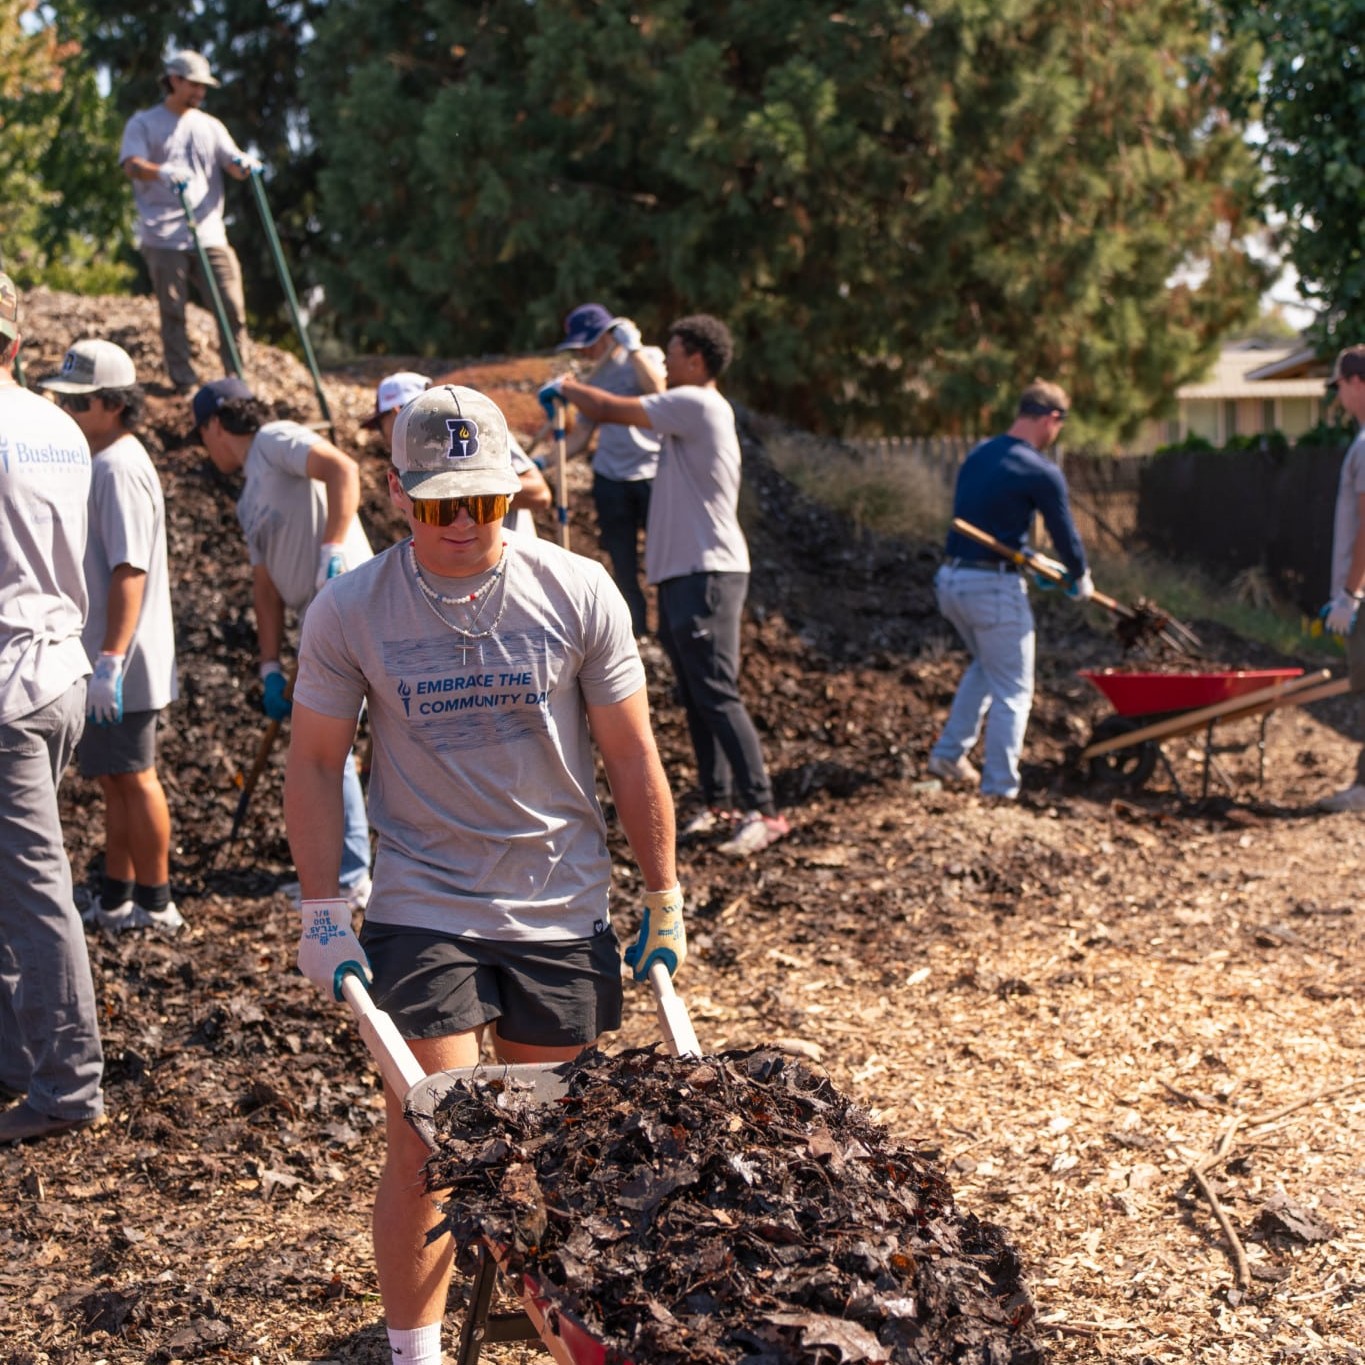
(904, 212)
(60, 224)
(1311, 103)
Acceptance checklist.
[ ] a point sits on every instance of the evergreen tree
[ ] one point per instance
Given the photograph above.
(905, 213)
(1311, 103)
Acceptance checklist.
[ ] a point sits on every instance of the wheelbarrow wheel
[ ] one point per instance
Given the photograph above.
(1129, 767)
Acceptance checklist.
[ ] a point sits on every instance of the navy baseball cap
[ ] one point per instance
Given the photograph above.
(584, 325)
(212, 397)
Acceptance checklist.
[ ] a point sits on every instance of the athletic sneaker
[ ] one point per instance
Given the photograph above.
(954, 770)
(709, 820)
(116, 919)
(755, 833)
(356, 896)
(167, 920)
(1353, 798)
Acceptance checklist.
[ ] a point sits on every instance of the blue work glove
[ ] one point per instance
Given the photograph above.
(551, 399)
(662, 937)
(104, 693)
(331, 562)
(1043, 582)
(1339, 615)
(1080, 589)
(274, 703)
(327, 947)
(625, 333)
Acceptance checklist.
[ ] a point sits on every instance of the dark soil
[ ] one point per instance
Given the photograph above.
(1063, 1002)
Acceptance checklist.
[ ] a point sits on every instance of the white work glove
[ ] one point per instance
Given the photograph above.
(247, 162)
(327, 947)
(625, 333)
(1339, 615)
(173, 177)
(662, 936)
(1083, 589)
(104, 692)
(331, 562)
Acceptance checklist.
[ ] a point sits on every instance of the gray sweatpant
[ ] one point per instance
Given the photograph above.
(49, 1029)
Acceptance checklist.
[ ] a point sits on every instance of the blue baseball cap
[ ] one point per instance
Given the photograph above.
(212, 397)
(584, 325)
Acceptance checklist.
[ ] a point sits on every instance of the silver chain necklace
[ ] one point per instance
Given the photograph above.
(468, 638)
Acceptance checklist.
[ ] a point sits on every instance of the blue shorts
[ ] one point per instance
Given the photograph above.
(564, 993)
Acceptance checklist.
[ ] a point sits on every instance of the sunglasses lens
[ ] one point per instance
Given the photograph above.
(74, 402)
(482, 509)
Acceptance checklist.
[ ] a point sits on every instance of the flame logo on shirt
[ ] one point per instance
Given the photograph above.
(405, 696)
(464, 438)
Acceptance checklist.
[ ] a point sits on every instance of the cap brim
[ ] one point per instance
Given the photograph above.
(68, 386)
(578, 343)
(447, 483)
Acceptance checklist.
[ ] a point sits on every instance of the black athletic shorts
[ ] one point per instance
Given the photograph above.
(557, 994)
(129, 746)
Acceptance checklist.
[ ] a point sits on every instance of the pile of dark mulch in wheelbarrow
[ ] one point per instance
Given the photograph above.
(734, 1209)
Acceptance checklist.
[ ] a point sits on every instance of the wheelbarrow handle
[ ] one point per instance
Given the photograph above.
(674, 1021)
(390, 1051)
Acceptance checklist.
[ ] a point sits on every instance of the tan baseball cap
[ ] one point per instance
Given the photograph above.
(9, 307)
(90, 366)
(452, 442)
(193, 66)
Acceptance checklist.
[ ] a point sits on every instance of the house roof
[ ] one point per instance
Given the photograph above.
(1255, 370)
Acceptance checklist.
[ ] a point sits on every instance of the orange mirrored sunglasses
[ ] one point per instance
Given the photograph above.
(482, 508)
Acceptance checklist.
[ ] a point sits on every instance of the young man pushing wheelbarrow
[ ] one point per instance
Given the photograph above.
(490, 663)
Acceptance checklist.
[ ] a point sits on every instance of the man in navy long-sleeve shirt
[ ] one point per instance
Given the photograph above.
(1002, 483)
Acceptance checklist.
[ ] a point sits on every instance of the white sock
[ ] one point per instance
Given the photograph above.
(416, 1345)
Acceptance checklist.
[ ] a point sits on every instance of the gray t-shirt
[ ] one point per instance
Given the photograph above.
(44, 488)
(522, 520)
(1346, 520)
(198, 146)
(128, 526)
(625, 453)
(482, 785)
(693, 522)
(283, 513)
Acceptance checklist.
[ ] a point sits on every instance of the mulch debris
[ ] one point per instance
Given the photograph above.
(734, 1209)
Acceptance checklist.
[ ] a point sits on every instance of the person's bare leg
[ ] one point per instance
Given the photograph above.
(137, 828)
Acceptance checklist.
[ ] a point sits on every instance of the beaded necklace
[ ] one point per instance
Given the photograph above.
(483, 595)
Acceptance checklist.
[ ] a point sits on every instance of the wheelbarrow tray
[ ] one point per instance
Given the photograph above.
(1156, 694)
(568, 1340)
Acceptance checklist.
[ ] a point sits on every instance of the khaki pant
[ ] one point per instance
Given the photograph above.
(171, 272)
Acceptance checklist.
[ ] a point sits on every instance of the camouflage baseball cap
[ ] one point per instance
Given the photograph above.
(9, 307)
(452, 442)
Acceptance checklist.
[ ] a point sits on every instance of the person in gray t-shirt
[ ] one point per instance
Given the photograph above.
(490, 663)
(172, 145)
(129, 637)
(626, 458)
(50, 1049)
(697, 556)
(297, 509)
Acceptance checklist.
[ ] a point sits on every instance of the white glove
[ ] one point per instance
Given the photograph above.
(173, 177)
(1339, 615)
(104, 693)
(247, 162)
(331, 562)
(328, 950)
(625, 333)
(1083, 589)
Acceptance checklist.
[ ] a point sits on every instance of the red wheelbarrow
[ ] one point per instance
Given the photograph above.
(1124, 748)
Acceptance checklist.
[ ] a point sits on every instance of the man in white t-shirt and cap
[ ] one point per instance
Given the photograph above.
(298, 511)
(51, 1059)
(397, 390)
(626, 458)
(697, 557)
(171, 146)
(129, 636)
(491, 664)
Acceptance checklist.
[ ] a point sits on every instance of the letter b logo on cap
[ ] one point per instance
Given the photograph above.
(464, 438)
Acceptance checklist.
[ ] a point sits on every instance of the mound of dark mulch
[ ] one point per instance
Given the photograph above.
(736, 1209)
